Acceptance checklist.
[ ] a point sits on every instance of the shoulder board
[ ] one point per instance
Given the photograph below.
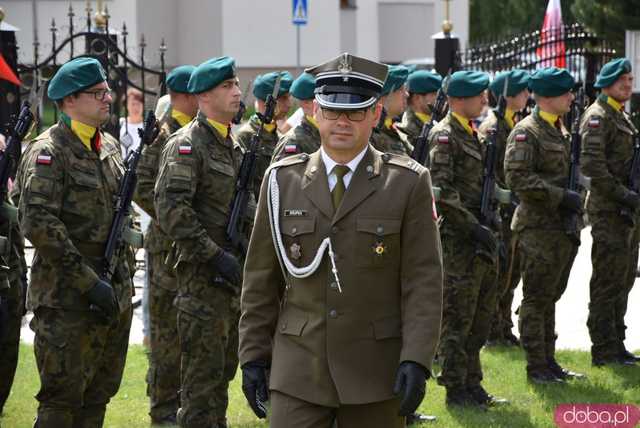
(291, 160)
(521, 137)
(403, 161)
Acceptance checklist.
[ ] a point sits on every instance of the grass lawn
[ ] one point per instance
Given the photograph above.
(531, 406)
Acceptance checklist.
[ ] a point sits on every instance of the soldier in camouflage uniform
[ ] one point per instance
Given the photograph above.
(385, 136)
(163, 376)
(422, 86)
(509, 274)
(193, 193)
(537, 168)
(263, 86)
(469, 248)
(67, 181)
(12, 299)
(607, 151)
(305, 137)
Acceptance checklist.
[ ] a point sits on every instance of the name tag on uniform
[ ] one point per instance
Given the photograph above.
(295, 213)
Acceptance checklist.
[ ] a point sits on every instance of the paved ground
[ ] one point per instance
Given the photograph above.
(571, 318)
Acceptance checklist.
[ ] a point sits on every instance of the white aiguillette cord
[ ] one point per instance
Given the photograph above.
(273, 203)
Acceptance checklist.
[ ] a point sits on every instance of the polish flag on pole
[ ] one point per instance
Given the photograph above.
(7, 73)
(552, 49)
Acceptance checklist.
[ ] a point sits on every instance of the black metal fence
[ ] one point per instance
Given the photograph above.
(570, 46)
(111, 48)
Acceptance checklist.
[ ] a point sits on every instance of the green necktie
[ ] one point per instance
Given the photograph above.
(338, 191)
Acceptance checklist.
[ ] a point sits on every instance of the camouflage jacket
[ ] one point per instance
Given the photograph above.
(66, 195)
(304, 138)
(12, 253)
(607, 151)
(389, 140)
(193, 194)
(268, 142)
(410, 126)
(156, 240)
(456, 160)
(502, 134)
(537, 168)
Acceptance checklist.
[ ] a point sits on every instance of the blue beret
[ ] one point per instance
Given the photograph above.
(264, 84)
(611, 71)
(178, 78)
(518, 82)
(75, 75)
(467, 83)
(396, 77)
(551, 82)
(423, 82)
(211, 73)
(303, 87)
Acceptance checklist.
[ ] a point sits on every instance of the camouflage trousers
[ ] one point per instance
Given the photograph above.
(80, 361)
(469, 302)
(614, 256)
(163, 376)
(508, 280)
(546, 257)
(209, 359)
(10, 340)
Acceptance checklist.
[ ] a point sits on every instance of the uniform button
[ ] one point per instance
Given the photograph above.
(283, 326)
(334, 285)
(333, 313)
(335, 229)
(380, 229)
(294, 230)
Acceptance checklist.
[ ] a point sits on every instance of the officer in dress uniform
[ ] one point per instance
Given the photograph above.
(345, 313)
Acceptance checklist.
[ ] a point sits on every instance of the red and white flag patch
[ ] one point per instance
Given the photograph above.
(291, 149)
(184, 150)
(443, 139)
(594, 122)
(520, 138)
(434, 210)
(44, 160)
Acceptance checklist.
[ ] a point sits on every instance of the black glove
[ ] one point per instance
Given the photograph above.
(484, 236)
(102, 296)
(228, 267)
(631, 200)
(410, 385)
(254, 386)
(571, 201)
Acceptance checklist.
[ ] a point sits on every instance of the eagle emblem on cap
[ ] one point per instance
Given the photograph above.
(344, 66)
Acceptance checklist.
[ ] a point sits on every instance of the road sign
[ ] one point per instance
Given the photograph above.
(300, 15)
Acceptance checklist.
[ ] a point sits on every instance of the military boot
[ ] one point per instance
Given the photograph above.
(483, 397)
(460, 397)
(418, 418)
(543, 375)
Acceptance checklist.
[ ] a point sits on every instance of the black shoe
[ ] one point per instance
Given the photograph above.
(511, 340)
(222, 424)
(167, 420)
(629, 356)
(543, 376)
(615, 360)
(459, 397)
(483, 397)
(418, 418)
(562, 373)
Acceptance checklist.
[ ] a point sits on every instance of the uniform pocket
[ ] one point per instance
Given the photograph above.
(387, 327)
(299, 239)
(378, 242)
(292, 321)
(179, 177)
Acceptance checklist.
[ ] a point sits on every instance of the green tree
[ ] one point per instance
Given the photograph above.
(609, 18)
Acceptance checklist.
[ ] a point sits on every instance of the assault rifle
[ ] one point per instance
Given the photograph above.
(122, 206)
(571, 222)
(237, 224)
(10, 157)
(634, 179)
(421, 149)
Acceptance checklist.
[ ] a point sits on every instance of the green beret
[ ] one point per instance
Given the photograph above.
(396, 77)
(303, 87)
(423, 82)
(551, 82)
(74, 76)
(178, 78)
(264, 84)
(611, 71)
(211, 73)
(518, 82)
(467, 83)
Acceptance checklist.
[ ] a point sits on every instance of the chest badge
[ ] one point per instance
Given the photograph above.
(296, 251)
(379, 248)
